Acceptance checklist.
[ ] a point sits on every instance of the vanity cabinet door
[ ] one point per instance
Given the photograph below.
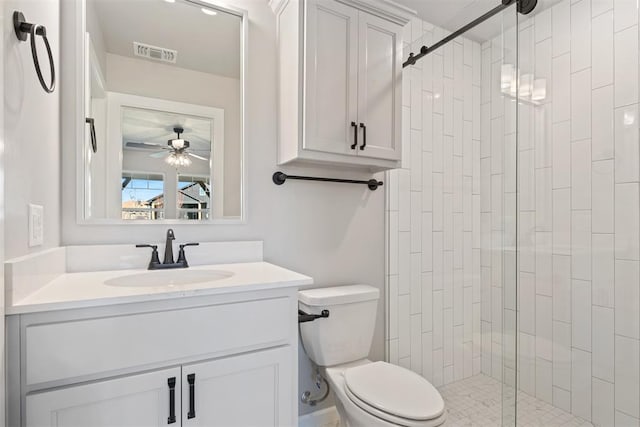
(133, 401)
(254, 389)
(331, 77)
(379, 87)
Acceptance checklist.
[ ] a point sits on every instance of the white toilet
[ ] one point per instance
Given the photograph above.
(368, 394)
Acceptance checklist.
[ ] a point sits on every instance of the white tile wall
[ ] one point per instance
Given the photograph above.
(452, 218)
(603, 398)
(436, 238)
(602, 120)
(625, 65)
(603, 343)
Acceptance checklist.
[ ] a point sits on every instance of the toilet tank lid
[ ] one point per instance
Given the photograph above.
(338, 295)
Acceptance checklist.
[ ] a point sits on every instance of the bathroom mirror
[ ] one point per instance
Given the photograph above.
(163, 100)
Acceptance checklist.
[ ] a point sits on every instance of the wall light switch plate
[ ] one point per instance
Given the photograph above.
(36, 225)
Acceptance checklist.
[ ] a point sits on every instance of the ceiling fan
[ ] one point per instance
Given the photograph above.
(176, 153)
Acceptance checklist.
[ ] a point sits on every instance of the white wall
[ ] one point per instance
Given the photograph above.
(32, 132)
(332, 232)
(30, 140)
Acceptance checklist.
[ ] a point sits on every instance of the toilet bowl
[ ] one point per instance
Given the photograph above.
(380, 394)
(368, 394)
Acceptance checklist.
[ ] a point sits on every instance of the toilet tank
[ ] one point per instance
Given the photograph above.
(347, 333)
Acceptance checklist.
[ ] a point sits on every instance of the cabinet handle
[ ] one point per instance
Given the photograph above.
(355, 135)
(191, 379)
(172, 400)
(364, 136)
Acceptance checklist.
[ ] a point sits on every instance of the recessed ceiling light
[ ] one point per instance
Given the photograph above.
(208, 11)
(170, 1)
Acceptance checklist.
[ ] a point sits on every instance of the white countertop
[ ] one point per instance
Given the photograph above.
(88, 289)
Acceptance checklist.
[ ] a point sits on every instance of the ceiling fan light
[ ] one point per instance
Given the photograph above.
(177, 143)
(171, 159)
(178, 160)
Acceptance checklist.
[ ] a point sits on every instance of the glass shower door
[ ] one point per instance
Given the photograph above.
(451, 220)
(578, 323)
(499, 219)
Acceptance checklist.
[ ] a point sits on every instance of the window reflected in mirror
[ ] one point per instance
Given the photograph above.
(194, 197)
(138, 192)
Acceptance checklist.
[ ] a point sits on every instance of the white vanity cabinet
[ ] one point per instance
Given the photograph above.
(249, 390)
(225, 360)
(135, 400)
(340, 82)
(246, 390)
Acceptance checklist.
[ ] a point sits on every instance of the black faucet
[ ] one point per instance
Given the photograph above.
(168, 262)
(168, 247)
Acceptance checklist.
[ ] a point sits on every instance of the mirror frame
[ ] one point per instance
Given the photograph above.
(74, 112)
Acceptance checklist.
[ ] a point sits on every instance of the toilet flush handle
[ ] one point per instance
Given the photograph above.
(306, 317)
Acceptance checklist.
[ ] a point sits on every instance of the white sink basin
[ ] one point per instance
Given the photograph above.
(168, 278)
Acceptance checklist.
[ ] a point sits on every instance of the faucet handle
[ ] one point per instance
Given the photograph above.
(184, 245)
(153, 247)
(181, 255)
(155, 259)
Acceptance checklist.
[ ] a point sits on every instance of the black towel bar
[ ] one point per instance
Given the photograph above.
(279, 178)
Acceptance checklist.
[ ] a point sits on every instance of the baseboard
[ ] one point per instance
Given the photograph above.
(323, 418)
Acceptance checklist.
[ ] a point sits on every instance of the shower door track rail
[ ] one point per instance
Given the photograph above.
(524, 7)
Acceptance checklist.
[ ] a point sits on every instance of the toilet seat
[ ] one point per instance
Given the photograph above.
(394, 394)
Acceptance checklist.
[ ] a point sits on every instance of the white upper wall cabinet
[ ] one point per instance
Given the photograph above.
(340, 82)
(331, 87)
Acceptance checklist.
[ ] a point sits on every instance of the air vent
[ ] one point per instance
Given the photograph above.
(155, 53)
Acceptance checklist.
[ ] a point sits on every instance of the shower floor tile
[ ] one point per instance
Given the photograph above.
(477, 401)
